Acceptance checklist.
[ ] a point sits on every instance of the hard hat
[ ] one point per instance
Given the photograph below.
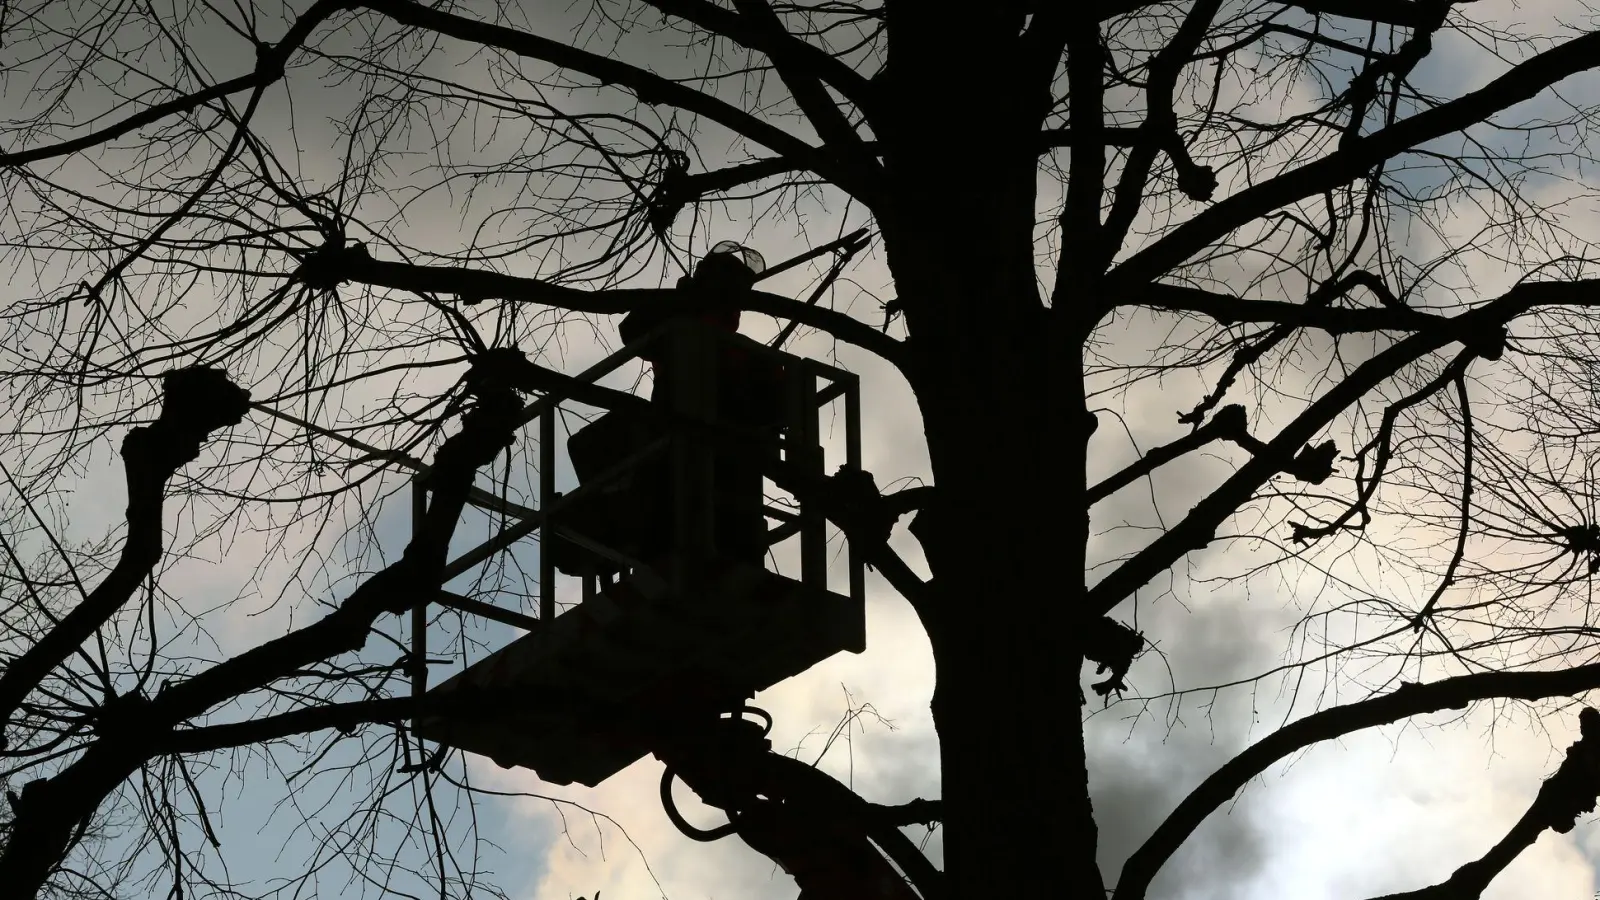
(750, 259)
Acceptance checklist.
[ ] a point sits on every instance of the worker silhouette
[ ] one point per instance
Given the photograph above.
(749, 402)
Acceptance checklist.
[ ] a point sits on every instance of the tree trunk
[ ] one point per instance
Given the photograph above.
(1015, 789)
(998, 392)
(1006, 552)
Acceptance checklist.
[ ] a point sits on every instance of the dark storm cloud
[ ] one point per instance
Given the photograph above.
(1144, 758)
(1140, 769)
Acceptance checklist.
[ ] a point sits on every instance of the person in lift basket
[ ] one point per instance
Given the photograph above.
(749, 399)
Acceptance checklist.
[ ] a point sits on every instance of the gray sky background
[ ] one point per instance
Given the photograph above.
(1387, 810)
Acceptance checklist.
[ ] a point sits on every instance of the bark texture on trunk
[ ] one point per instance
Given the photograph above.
(1007, 565)
(1005, 542)
(1001, 397)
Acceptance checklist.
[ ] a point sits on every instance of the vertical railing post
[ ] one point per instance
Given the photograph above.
(548, 532)
(804, 455)
(419, 612)
(852, 451)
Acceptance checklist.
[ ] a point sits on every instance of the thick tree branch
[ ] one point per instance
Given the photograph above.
(1159, 129)
(1404, 13)
(1378, 450)
(132, 728)
(515, 369)
(1053, 138)
(730, 177)
(680, 190)
(783, 48)
(808, 91)
(924, 596)
(902, 503)
(1229, 310)
(1249, 354)
(195, 403)
(1464, 529)
(1229, 422)
(1080, 209)
(1570, 792)
(1044, 40)
(341, 716)
(270, 62)
(647, 86)
(1358, 156)
(915, 812)
(850, 499)
(332, 266)
(1198, 528)
(1394, 67)
(345, 717)
(1564, 796)
(1403, 703)
(416, 577)
(1481, 329)
(804, 780)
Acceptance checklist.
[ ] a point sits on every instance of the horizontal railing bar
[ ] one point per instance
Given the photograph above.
(529, 524)
(487, 611)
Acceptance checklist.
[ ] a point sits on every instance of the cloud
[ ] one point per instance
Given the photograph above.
(1142, 764)
(1381, 811)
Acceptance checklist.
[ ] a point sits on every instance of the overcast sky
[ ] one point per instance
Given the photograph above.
(1387, 810)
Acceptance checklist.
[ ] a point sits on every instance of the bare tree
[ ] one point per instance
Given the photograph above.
(1374, 274)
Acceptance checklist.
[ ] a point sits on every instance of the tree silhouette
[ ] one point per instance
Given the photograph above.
(1363, 290)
